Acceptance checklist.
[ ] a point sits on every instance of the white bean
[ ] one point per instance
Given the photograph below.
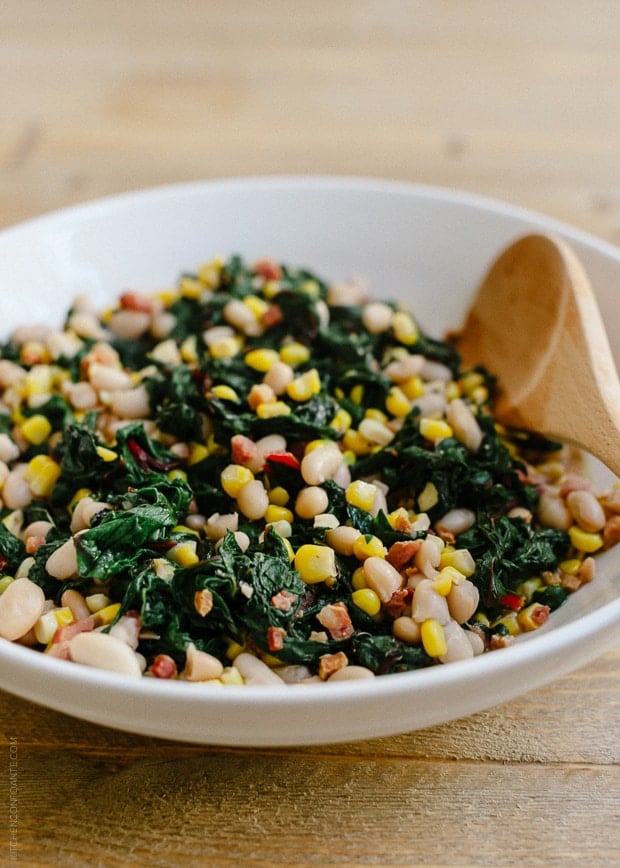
(464, 424)
(553, 512)
(254, 671)
(311, 501)
(253, 500)
(9, 450)
(200, 666)
(85, 509)
(104, 652)
(267, 444)
(278, 377)
(382, 577)
(16, 491)
(463, 601)
(62, 563)
(21, 605)
(321, 463)
(217, 524)
(459, 646)
(428, 556)
(427, 603)
(130, 403)
(351, 673)
(342, 539)
(108, 377)
(377, 317)
(456, 521)
(586, 510)
(130, 324)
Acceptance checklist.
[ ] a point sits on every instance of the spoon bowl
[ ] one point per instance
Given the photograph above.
(536, 325)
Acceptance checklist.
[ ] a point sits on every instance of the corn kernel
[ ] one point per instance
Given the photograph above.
(341, 421)
(63, 616)
(376, 414)
(354, 442)
(105, 615)
(428, 497)
(232, 677)
(106, 455)
(234, 477)
(184, 554)
(45, 627)
(443, 581)
(357, 394)
(315, 563)
(190, 287)
(470, 381)
(302, 388)
(189, 353)
(435, 430)
(453, 390)
(177, 473)
(42, 474)
(279, 496)
(294, 353)
(584, 541)
(433, 638)
(261, 360)
(311, 288)
(36, 429)
(39, 381)
(404, 328)
(510, 622)
(5, 581)
(413, 387)
(256, 304)
(270, 409)
(459, 559)
(289, 549)
(367, 546)
(367, 600)
(397, 403)
(361, 494)
(198, 452)
(571, 566)
(233, 649)
(209, 272)
(226, 393)
(225, 348)
(358, 579)
(278, 513)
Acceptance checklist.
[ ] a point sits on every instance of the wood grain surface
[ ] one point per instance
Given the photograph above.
(515, 101)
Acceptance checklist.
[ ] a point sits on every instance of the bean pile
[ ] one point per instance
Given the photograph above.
(257, 477)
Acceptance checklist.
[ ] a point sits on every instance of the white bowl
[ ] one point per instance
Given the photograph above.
(427, 245)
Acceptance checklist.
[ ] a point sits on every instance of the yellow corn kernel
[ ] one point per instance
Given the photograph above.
(341, 421)
(190, 287)
(367, 600)
(226, 393)
(356, 443)
(95, 602)
(39, 381)
(376, 414)
(584, 541)
(36, 429)
(459, 559)
(261, 360)
(198, 452)
(571, 566)
(294, 353)
(526, 618)
(232, 677)
(225, 348)
(413, 387)
(510, 622)
(289, 548)
(428, 497)
(453, 390)
(234, 477)
(33, 353)
(45, 627)
(315, 563)
(358, 579)
(63, 616)
(256, 304)
(42, 474)
(177, 473)
(184, 554)
(278, 513)
(279, 496)
(435, 430)
(269, 409)
(433, 638)
(357, 394)
(188, 350)
(233, 649)
(404, 328)
(166, 296)
(398, 517)
(471, 381)
(5, 581)
(443, 581)
(528, 588)
(106, 454)
(105, 615)
(209, 272)
(397, 404)
(302, 388)
(311, 288)
(480, 395)
(361, 494)
(368, 546)
(79, 494)
(349, 457)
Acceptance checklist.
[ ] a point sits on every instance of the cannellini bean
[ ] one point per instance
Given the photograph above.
(553, 512)
(377, 317)
(254, 671)
(342, 539)
(407, 630)
(104, 651)
(62, 563)
(456, 521)
(9, 450)
(82, 396)
(464, 424)
(431, 405)
(278, 377)
(239, 315)
(432, 370)
(403, 369)
(76, 602)
(16, 491)
(351, 673)
(311, 501)
(85, 509)
(586, 510)
(321, 463)
(253, 500)
(427, 603)
(130, 403)
(200, 666)
(476, 641)
(428, 556)
(108, 377)
(86, 325)
(459, 646)
(382, 577)
(37, 528)
(463, 601)
(267, 444)
(129, 324)
(353, 291)
(217, 524)
(21, 605)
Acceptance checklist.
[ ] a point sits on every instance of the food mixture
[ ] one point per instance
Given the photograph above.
(260, 478)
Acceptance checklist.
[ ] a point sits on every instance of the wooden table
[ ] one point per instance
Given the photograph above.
(518, 101)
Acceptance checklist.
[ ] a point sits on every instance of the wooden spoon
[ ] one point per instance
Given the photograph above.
(535, 324)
